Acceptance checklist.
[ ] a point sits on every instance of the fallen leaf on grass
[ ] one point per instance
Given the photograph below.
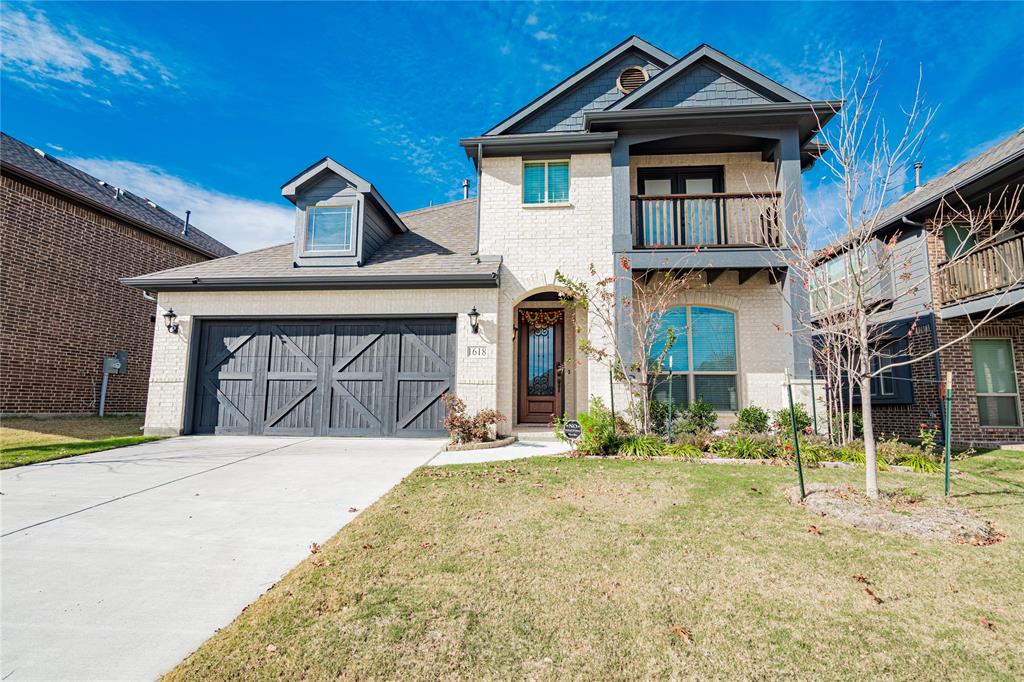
(683, 633)
(861, 579)
(271, 648)
(813, 530)
(367, 546)
(986, 623)
(426, 545)
(352, 510)
(314, 548)
(952, 588)
(871, 593)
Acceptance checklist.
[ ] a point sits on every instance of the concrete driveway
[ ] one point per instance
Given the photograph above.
(117, 565)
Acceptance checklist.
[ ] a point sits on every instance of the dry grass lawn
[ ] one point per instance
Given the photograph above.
(28, 440)
(555, 569)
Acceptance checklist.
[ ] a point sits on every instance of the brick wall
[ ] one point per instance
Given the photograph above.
(63, 309)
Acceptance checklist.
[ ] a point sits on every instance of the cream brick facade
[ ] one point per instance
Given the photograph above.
(475, 377)
(534, 242)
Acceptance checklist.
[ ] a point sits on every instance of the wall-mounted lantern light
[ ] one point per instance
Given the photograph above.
(171, 320)
(474, 320)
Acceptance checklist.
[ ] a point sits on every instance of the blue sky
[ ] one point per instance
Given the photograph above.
(212, 107)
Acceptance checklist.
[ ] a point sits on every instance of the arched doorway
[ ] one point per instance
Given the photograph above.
(543, 346)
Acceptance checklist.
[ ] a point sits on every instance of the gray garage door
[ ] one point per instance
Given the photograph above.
(323, 377)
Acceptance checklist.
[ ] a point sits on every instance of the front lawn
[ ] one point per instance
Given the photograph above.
(28, 440)
(555, 568)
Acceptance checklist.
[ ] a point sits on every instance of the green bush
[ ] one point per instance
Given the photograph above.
(684, 451)
(920, 462)
(699, 416)
(840, 421)
(643, 446)
(601, 433)
(661, 419)
(782, 423)
(752, 419)
(747, 446)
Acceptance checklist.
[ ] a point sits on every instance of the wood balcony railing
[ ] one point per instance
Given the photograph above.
(983, 272)
(741, 219)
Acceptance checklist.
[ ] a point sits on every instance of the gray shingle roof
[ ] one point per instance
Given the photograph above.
(437, 247)
(1008, 150)
(20, 157)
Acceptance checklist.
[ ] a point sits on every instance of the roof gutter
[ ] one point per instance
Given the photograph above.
(514, 145)
(445, 281)
(824, 110)
(96, 206)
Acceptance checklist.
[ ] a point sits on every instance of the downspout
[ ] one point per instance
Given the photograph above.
(479, 177)
(938, 371)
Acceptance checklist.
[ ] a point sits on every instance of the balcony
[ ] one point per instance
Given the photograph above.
(986, 271)
(722, 219)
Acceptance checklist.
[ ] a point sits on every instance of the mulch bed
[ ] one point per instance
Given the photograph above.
(896, 514)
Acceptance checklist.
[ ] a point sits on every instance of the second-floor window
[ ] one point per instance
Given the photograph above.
(995, 382)
(329, 228)
(867, 271)
(545, 182)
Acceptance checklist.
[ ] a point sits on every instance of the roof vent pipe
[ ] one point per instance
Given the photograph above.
(917, 174)
(184, 230)
(465, 188)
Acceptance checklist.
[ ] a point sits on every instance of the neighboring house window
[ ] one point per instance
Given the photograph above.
(701, 363)
(329, 228)
(995, 382)
(834, 284)
(545, 182)
(892, 385)
(882, 383)
(958, 240)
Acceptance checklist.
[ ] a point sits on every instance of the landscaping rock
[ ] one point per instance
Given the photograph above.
(896, 514)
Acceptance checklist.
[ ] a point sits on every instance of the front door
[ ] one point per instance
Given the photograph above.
(541, 334)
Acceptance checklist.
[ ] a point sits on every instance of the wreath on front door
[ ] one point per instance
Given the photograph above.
(540, 319)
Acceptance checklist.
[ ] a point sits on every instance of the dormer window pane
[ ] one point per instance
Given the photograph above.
(329, 228)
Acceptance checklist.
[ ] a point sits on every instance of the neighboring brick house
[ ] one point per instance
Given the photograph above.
(67, 239)
(360, 325)
(930, 306)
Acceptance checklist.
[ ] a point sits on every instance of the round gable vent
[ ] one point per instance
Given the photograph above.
(631, 78)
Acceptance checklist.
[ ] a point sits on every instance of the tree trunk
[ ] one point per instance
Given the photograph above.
(870, 458)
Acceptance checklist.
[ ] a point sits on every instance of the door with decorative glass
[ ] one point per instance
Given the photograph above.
(681, 208)
(541, 335)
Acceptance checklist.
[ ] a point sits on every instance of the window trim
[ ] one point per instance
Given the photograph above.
(547, 164)
(1016, 385)
(662, 374)
(308, 212)
(881, 288)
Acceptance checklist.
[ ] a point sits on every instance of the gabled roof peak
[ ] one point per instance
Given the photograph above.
(632, 42)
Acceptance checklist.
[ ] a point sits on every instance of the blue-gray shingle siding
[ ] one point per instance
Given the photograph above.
(598, 92)
(700, 85)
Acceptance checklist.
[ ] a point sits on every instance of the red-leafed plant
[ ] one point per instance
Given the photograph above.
(463, 428)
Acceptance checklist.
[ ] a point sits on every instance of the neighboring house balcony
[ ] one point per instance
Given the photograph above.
(985, 272)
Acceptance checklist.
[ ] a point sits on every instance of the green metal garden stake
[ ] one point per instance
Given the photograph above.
(796, 439)
(611, 392)
(814, 402)
(949, 421)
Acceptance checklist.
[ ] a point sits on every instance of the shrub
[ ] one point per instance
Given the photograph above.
(782, 423)
(751, 419)
(699, 416)
(684, 451)
(664, 415)
(920, 463)
(642, 446)
(601, 433)
(463, 428)
(840, 421)
(752, 446)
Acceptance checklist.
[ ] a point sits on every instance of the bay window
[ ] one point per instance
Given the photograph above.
(700, 359)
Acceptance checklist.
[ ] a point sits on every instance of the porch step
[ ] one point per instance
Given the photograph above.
(540, 433)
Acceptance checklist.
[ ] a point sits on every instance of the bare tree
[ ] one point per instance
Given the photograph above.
(643, 313)
(860, 274)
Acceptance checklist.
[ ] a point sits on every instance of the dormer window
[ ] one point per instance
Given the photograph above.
(329, 228)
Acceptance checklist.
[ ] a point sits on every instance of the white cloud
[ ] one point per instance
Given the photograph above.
(428, 155)
(42, 54)
(816, 76)
(545, 35)
(531, 20)
(243, 224)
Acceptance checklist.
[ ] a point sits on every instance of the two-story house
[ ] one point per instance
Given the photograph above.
(939, 283)
(637, 163)
(66, 239)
